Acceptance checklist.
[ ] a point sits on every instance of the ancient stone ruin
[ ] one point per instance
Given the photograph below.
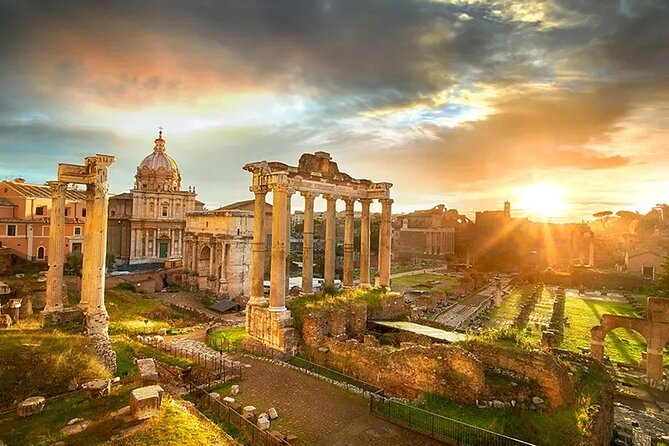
(94, 175)
(654, 329)
(316, 174)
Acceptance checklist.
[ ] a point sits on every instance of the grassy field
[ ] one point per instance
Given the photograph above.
(126, 349)
(507, 312)
(622, 345)
(27, 358)
(434, 282)
(136, 313)
(231, 336)
(174, 426)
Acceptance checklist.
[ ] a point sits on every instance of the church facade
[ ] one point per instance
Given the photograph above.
(147, 224)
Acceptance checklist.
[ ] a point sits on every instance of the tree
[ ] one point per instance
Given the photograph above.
(602, 217)
(74, 261)
(663, 277)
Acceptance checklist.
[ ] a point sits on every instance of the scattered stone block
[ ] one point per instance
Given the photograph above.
(121, 412)
(98, 388)
(263, 422)
(31, 406)
(145, 402)
(148, 372)
(291, 439)
(278, 435)
(273, 415)
(250, 409)
(75, 428)
(249, 417)
(236, 407)
(234, 390)
(74, 421)
(536, 400)
(213, 396)
(229, 400)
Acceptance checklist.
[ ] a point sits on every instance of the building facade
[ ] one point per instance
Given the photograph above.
(25, 211)
(218, 252)
(147, 224)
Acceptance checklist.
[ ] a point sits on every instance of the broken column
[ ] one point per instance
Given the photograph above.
(54, 281)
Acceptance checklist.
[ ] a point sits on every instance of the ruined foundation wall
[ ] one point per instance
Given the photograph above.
(406, 372)
(544, 368)
(273, 329)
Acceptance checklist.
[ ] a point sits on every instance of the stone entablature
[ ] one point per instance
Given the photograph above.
(654, 328)
(316, 174)
(217, 252)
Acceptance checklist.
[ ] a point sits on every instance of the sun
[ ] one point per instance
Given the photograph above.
(543, 200)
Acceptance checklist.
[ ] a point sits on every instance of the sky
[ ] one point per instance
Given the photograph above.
(559, 106)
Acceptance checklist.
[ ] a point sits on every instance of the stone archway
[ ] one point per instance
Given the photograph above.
(203, 261)
(654, 329)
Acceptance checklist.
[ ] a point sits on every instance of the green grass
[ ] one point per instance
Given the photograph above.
(561, 427)
(434, 282)
(176, 427)
(136, 313)
(621, 345)
(44, 363)
(232, 336)
(126, 349)
(44, 428)
(507, 312)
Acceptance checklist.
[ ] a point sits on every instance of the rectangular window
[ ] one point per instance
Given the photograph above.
(77, 230)
(67, 211)
(83, 212)
(11, 230)
(40, 210)
(164, 211)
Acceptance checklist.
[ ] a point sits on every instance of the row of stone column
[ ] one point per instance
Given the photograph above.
(281, 243)
(93, 267)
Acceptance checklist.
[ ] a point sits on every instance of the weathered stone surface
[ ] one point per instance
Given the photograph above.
(234, 390)
(250, 410)
(31, 406)
(273, 415)
(61, 317)
(536, 400)
(213, 396)
(75, 428)
(263, 422)
(103, 348)
(148, 372)
(271, 328)
(145, 402)
(98, 388)
(229, 400)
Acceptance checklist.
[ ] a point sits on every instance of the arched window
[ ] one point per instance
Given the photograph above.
(40, 253)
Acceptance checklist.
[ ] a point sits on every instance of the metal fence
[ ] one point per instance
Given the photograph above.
(443, 428)
(244, 430)
(335, 375)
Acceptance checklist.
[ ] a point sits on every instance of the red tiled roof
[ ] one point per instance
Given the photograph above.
(44, 191)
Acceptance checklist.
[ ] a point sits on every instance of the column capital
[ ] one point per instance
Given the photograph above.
(349, 201)
(330, 197)
(259, 190)
(365, 201)
(386, 200)
(281, 187)
(308, 195)
(58, 188)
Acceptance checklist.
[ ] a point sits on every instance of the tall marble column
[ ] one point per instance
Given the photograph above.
(308, 243)
(384, 242)
(277, 291)
(330, 239)
(212, 246)
(54, 283)
(348, 243)
(89, 239)
(97, 319)
(365, 233)
(289, 222)
(259, 247)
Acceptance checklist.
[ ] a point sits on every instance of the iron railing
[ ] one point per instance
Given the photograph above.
(437, 426)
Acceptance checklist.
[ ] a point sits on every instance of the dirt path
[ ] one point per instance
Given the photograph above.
(317, 412)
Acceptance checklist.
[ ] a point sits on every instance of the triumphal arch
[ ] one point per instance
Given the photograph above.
(93, 174)
(270, 323)
(654, 328)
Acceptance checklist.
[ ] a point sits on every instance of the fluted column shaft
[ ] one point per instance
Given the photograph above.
(88, 243)
(277, 292)
(308, 243)
(289, 222)
(348, 243)
(259, 247)
(54, 285)
(330, 239)
(384, 242)
(364, 243)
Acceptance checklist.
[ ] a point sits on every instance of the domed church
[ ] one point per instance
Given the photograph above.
(146, 225)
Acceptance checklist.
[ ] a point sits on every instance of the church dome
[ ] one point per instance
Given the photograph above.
(158, 171)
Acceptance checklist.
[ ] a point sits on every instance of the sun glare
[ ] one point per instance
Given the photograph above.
(543, 200)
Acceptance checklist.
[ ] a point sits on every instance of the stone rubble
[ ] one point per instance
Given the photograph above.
(31, 406)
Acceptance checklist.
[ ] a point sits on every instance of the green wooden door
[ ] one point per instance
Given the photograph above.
(163, 250)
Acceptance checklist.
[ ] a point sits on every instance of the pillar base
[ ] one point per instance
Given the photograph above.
(365, 286)
(272, 328)
(61, 316)
(98, 323)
